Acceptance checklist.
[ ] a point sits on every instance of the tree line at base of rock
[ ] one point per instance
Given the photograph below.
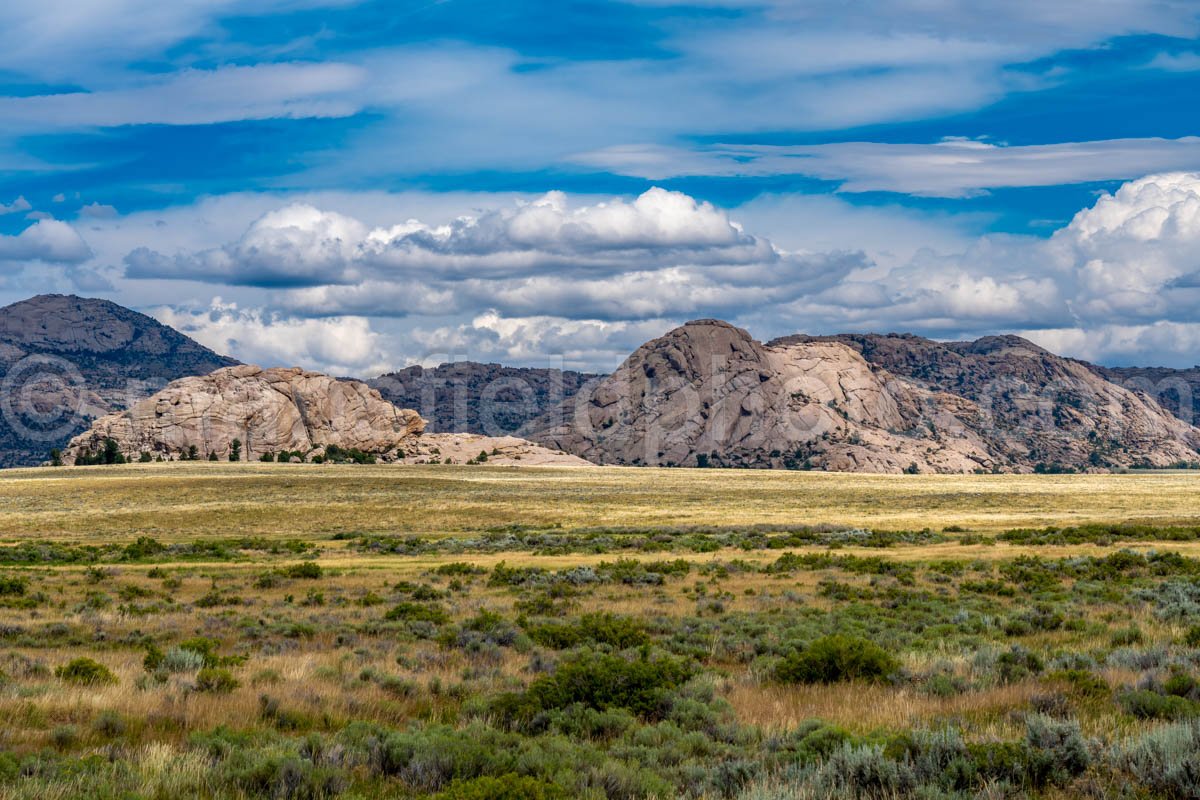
(109, 453)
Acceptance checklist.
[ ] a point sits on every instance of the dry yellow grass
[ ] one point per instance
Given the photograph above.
(298, 500)
(864, 708)
(326, 651)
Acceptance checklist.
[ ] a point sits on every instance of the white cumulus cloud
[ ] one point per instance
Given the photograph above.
(46, 240)
(661, 253)
(590, 277)
(337, 345)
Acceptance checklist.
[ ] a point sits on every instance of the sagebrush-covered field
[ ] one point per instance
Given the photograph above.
(304, 631)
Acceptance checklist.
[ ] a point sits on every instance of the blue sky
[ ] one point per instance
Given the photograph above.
(359, 185)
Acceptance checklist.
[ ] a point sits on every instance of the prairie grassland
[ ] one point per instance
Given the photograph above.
(305, 632)
(206, 499)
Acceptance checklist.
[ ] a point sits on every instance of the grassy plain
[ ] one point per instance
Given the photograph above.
(304, 631)
(181, 500)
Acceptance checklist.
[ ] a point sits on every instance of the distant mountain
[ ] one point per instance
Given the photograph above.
(490, 399)
(708, 393)
(67, 360)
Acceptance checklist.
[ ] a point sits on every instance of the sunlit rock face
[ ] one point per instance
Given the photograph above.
(707, 393)
(266, 410)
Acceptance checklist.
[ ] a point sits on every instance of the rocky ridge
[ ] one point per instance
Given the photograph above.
(471, 397)
(707, 393)
(270, 411)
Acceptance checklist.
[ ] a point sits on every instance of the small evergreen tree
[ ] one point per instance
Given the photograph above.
(112, 453)
(56, 458)
(235, 450)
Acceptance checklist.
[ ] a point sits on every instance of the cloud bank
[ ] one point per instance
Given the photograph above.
(663, 253)
(340, 345)
(1120, 281)
(951, 168)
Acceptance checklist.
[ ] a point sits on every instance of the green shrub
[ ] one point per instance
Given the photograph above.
(13, 586)
(815, 741)
(617, 632)
(1181, 684)
(143, 547)
(864, 773)
(1057, 750)
(64, 736)
(417, 612)
(837, 658)
(1127, 636)
(1192, 637)
(153, 659)
(505, 787)
(1146, 704)
(216, 680)
(280, 775)
(309, 570)
(1083, 683)
(643, 686)
(1164, 760)
(1016, 664)
(109, 724)
(85, 672)
(459, 569)
(335, 454)
(205, 649)
(183, 659)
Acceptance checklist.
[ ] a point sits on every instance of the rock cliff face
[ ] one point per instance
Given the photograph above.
(1035, 407)
(67, 360)
(266, 410)
(708, 393)
(1177, 390)
(469, 397)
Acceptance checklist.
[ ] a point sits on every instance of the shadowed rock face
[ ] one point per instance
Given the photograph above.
(267, 410)
(708, 392)
(469, 397)
(69, 359)
(1177, 390)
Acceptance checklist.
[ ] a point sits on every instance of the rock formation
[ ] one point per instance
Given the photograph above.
(708, 393)
(288, 410)
(469, 397)
(1036, 407)
(266, 410)
(67, 360)
(464, 448)
(1177, 390)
